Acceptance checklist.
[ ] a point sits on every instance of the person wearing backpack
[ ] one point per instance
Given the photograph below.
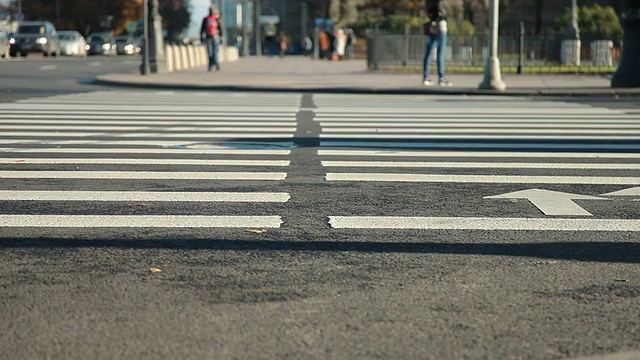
(210, 33)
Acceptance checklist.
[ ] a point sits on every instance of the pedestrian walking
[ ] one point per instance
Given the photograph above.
(324, 44)
(210, 33)
(282, 44)
(351, 41)
(340, 44)
(436, 31)
(307, 45)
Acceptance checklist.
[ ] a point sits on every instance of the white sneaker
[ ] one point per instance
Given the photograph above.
(427, 82)
(445, 82)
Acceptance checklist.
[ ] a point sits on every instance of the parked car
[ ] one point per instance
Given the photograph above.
(34, 37)
(127, 45)
(101, 44)
(5, 45)
(72, 43)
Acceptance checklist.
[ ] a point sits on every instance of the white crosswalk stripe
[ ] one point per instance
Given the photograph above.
(363, 136)
(145, 136)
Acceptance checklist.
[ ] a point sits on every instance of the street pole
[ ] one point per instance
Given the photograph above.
(245, 28)
(146, 67)
(571, 44)
(492, 76)
(521, 52)
(257, 30)
(223, 38)
(628, 72)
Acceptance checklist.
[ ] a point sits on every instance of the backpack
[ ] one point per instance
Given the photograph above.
(212, 25)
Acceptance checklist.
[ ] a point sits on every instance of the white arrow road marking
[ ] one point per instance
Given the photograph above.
(634, 191)
(551, 202)
(474, 223)
(48, 67)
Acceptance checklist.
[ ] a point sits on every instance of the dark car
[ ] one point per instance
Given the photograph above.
(101, 44)
(35, 37)
(127, 45)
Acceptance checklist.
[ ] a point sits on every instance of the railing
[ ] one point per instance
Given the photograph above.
(540, 52)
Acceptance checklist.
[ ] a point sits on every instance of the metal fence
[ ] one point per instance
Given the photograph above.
(538, 51)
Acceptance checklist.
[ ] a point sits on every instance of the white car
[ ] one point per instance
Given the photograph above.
(72, 43)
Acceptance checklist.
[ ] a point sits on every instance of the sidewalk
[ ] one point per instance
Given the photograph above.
(301, 74)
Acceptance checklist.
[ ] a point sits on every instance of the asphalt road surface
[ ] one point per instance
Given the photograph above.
(200, 225)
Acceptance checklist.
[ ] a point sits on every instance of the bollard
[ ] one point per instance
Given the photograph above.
(168, 50)
(628, 72)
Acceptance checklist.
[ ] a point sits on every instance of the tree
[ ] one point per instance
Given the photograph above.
(175, 17)
(596, 21)
(85, 16)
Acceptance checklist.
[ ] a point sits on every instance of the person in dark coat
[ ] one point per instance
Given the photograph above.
(436, 31)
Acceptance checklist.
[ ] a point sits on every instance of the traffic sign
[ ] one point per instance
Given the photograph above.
(132, 26)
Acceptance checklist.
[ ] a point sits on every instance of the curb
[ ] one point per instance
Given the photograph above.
(574, 93)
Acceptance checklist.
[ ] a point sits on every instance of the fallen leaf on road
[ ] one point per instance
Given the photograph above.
(141, 204)
(155, 270)
(21, 161)
(622, 280)
(258, 231)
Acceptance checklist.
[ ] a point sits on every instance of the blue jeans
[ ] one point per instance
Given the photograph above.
(439, 41)
(213, 47)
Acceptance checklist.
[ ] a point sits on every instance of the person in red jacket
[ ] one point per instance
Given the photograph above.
(210, 33)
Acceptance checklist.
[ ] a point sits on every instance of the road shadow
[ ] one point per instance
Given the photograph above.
(607, 252)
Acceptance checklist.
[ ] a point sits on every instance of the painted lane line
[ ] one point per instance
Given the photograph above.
(95, 63)
(175, 130)
(253, 197)
(477, 117)
(423, 126)
(136, 107)
(464, 136)
(480, 154)
(138, 221)
(147, 135)
(480, 165)
(479, 223)
(471, 144)
(364, 131)
(461, 110)
(103, 161)
(168, 144)
(48, 67)
(5, 123)
(142, 175)
(552, 203)
(148, 114)
(489, 179)
(210, 150)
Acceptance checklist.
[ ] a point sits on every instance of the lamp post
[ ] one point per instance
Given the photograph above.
(154, 59)
(257, 29)
(571, 44)
(628, 72)
(492, 75)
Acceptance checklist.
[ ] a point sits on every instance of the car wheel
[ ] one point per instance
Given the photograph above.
(46, 54)
(23, 54)
(6, 53)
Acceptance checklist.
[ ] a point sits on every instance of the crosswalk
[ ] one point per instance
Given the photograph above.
(89, 147)
(448, 140)
(220, 160)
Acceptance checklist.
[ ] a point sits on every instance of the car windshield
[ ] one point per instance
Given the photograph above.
(99, 38)
(123, 40)
(31, 29)
(67, 36)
